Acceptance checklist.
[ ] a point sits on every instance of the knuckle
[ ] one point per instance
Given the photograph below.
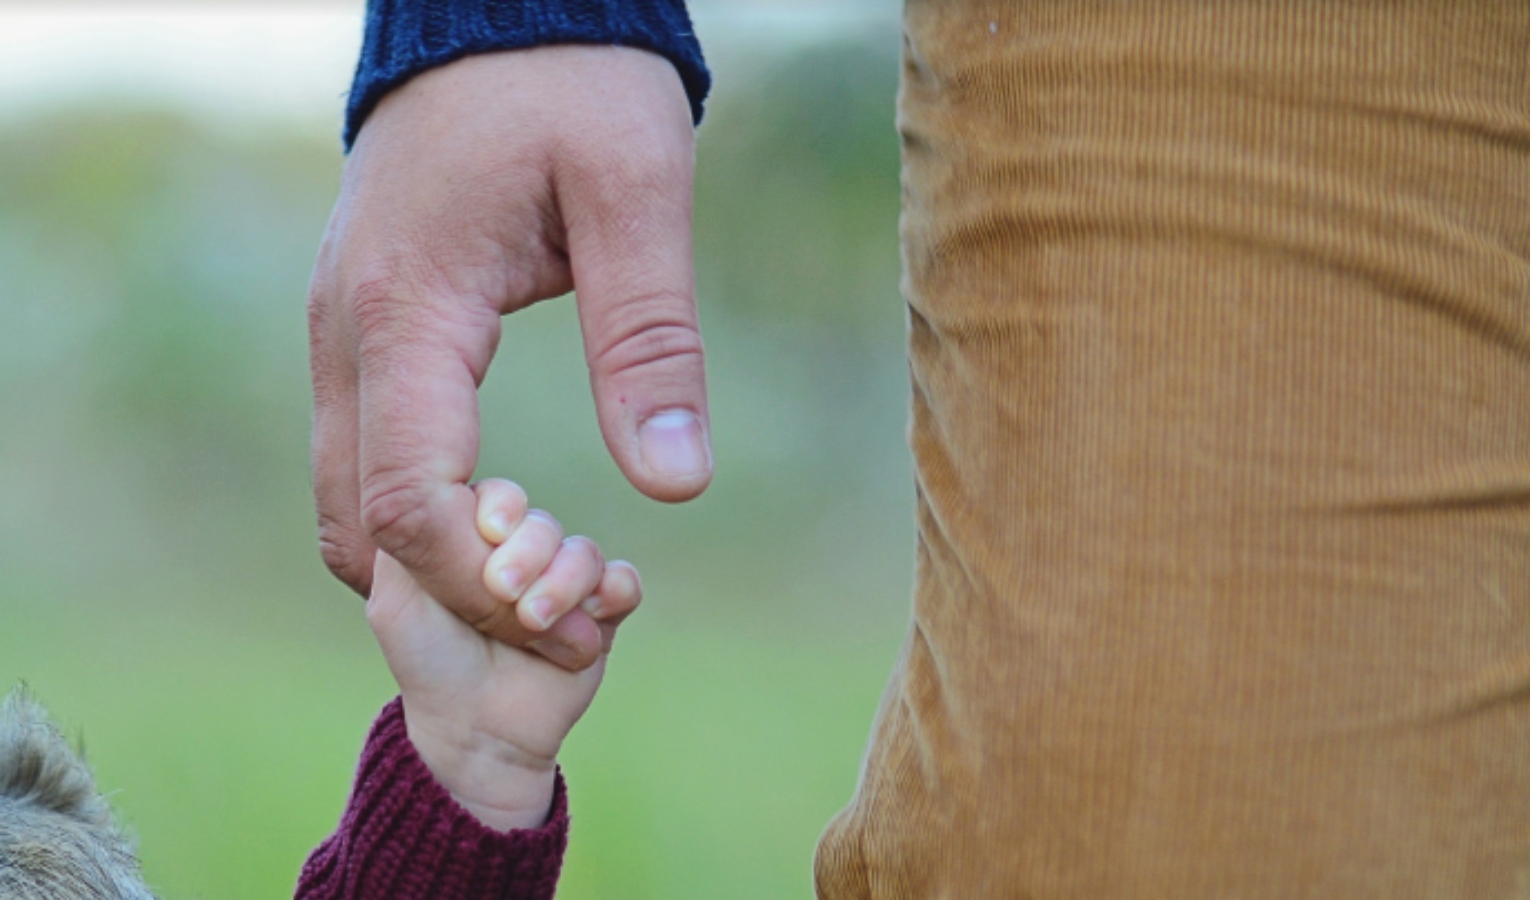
(653, 336)
(395, 513)
(639, 157)
(547, 528)
(590, 551)
(396, 302)
(321, 288)
(644, 150)
(319, 314)
(421, 315)
(500, 623)
(346, 557)
(329, 356)
(377, 304)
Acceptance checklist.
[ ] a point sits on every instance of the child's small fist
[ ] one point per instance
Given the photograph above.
(545, 574)
(488, 719)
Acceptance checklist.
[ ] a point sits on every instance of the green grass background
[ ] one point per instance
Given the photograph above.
(159, 584)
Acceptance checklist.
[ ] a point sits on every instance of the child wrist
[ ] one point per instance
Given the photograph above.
(501, 785)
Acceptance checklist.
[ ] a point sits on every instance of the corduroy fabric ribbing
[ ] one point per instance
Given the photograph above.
(406, 37)
(403, 837)
(1220, 350)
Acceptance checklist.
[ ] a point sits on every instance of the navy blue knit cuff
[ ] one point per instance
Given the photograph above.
(407, 37)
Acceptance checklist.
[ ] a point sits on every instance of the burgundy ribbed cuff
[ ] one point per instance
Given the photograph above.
(403, 836)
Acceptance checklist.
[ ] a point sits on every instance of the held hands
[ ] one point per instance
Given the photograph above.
(488, 719)
(473, 191)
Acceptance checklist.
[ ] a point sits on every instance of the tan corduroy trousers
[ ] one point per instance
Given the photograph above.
(1220, 348)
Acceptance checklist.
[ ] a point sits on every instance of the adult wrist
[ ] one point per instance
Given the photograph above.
(407, 37)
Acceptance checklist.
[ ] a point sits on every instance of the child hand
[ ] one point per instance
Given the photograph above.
(488, 719)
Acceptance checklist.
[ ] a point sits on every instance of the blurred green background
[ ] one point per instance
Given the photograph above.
(159, 583)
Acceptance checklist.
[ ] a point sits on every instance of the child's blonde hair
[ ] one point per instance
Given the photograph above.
(57, 836)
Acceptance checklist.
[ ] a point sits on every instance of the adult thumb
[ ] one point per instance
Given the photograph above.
(628, 225)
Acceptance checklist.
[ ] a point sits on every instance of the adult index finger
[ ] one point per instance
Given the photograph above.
(420, 362)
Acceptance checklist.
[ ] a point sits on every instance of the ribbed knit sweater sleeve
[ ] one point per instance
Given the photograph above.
(407, 37)
(403, 837)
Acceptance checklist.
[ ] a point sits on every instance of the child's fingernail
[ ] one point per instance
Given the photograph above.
(541, 610)
(557, 653)
(673, 445)
(499, 524)
(591, 605)
(511, 579)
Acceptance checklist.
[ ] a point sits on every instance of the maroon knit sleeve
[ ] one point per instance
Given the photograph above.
(403, 837)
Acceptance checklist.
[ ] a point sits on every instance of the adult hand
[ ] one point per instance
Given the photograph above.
(475, 190)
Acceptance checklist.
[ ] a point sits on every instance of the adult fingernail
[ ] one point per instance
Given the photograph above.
(673, 444)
